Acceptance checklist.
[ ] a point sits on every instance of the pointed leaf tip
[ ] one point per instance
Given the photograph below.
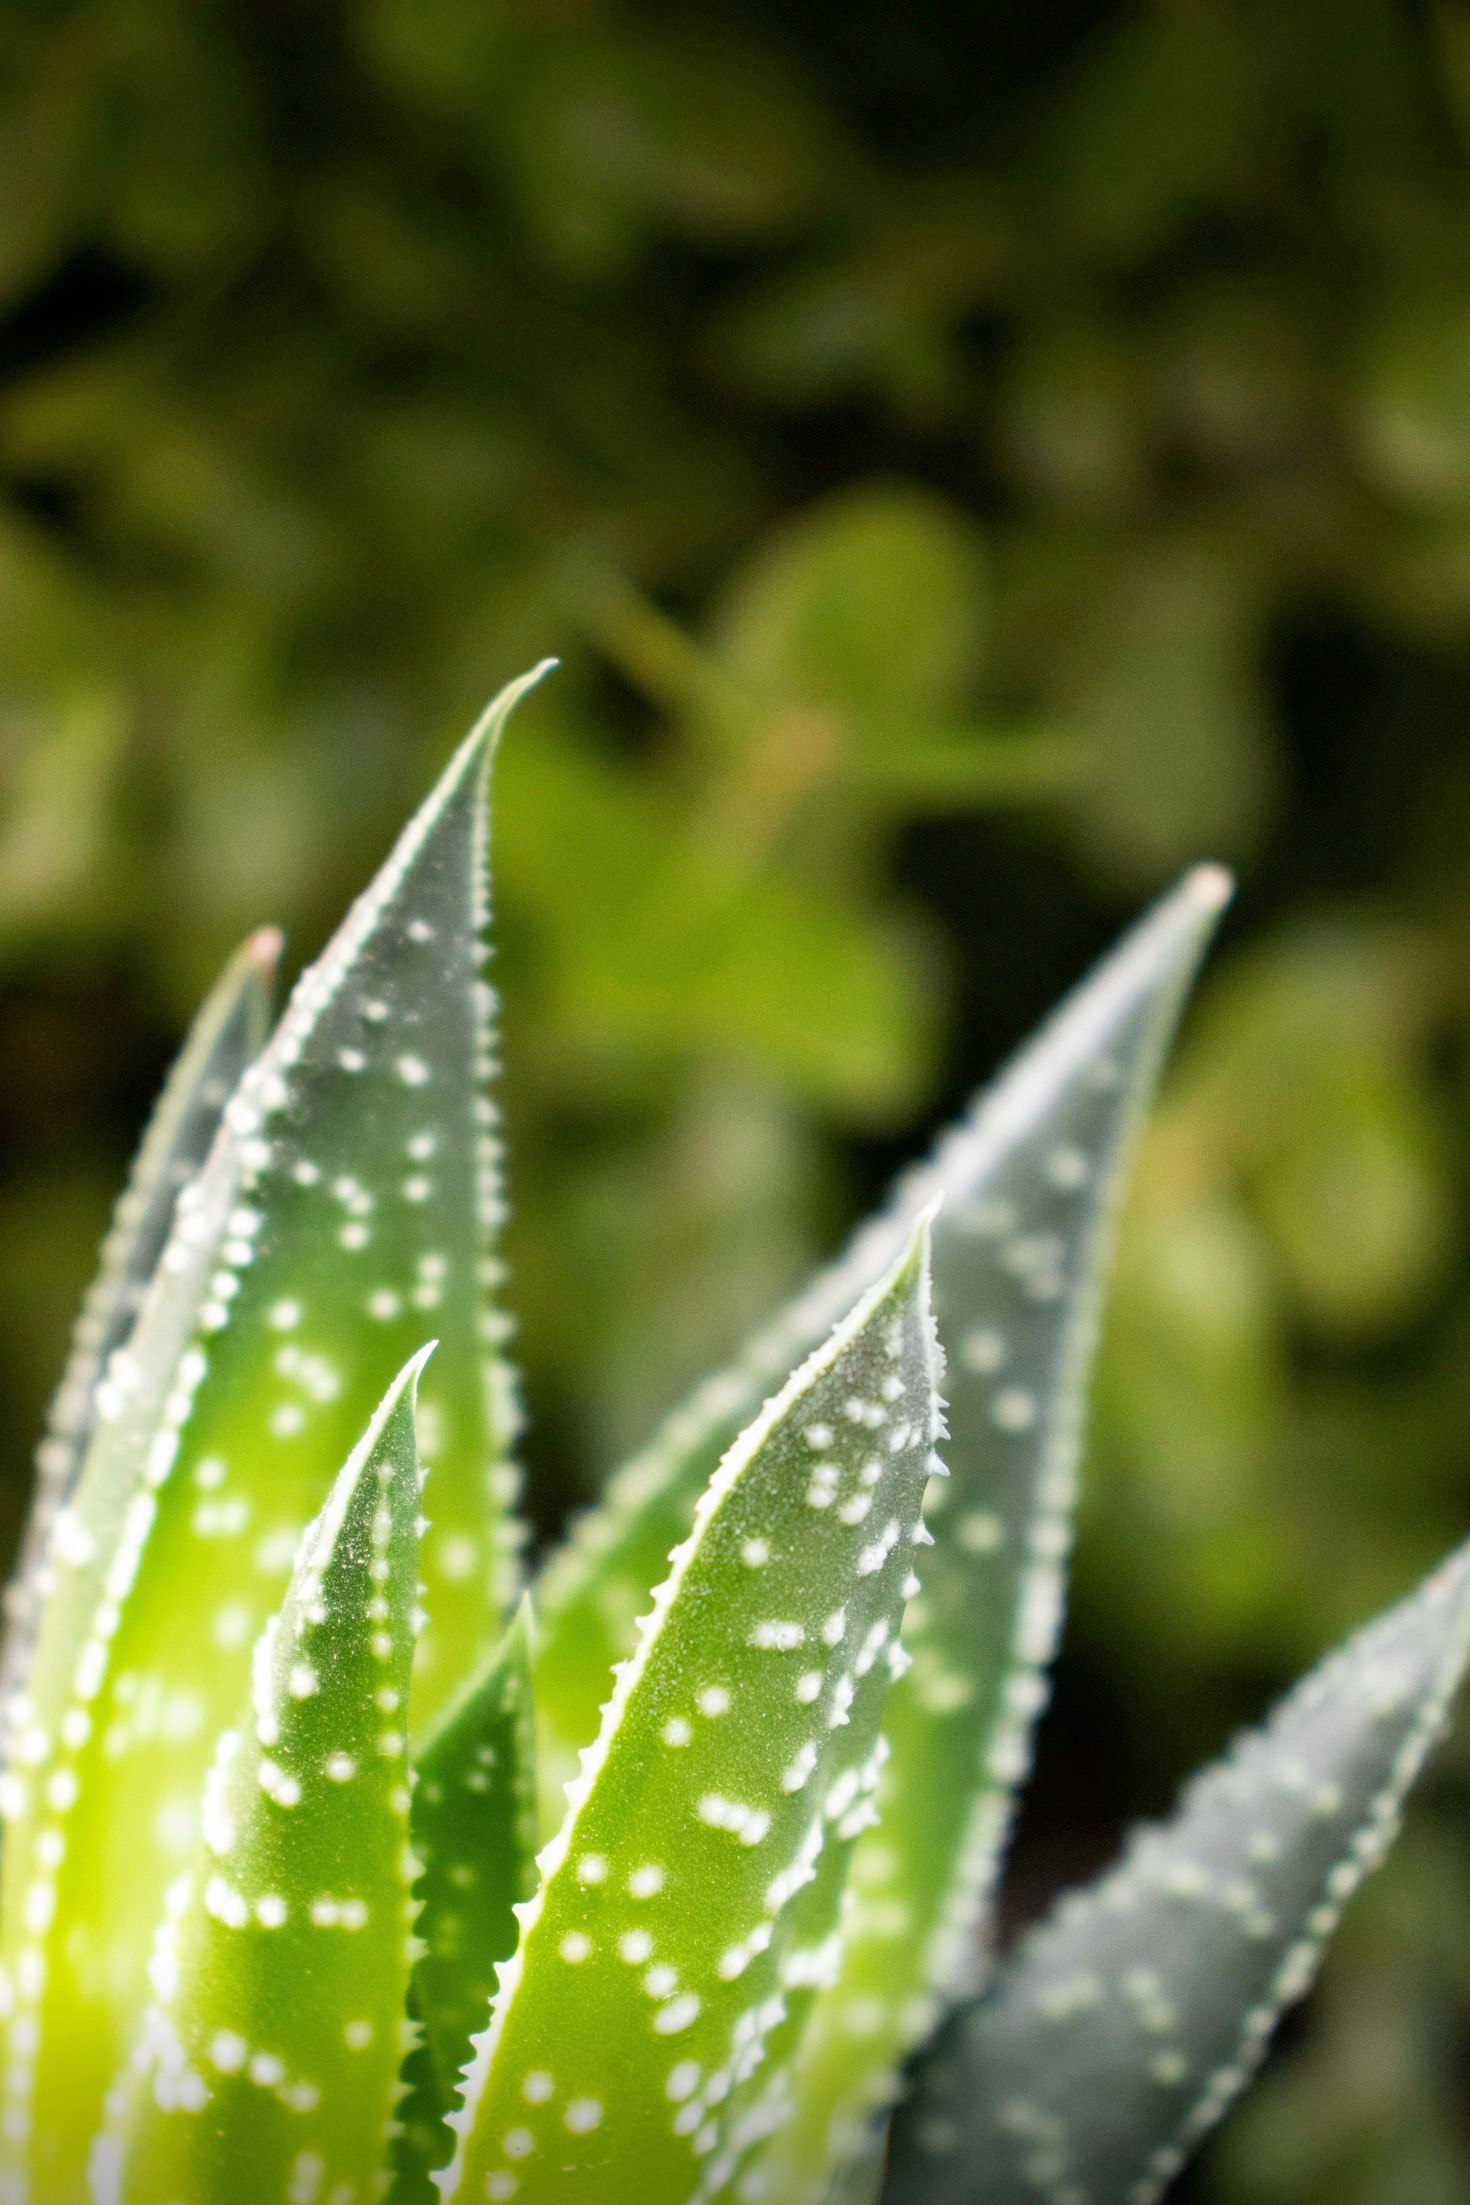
(491, 724)
(264, 948)
(1212, 886)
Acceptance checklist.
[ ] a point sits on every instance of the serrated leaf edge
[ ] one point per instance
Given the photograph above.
(628, 1674)
(242, 988)
(965, 1154)
(1366, 1851)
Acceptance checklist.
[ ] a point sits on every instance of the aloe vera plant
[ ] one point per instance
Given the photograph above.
(337, 1865)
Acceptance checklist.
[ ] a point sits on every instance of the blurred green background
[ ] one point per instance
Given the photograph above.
(972, 460)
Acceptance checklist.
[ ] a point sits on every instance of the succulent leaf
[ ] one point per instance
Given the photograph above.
(474, 1835)
(738, 1752)
(1017, 1131)
(229, 1031)
(1032, 1181)
(268, 2063)
(1125, 2025)
(348, 1203)
(1019, 1270)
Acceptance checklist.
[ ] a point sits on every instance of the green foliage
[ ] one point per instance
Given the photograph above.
(276, 1922)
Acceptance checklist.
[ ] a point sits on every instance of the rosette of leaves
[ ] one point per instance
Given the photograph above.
(286, 1910)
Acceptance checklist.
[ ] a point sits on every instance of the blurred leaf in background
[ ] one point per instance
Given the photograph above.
(968, 470)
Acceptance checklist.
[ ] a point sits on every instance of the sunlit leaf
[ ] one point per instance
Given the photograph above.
(873, 603)
(347, 1210)
(229, 1031)
(735, 1767)
(1125, 2025)
(269, 2060)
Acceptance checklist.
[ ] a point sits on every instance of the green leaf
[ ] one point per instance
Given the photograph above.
(1125, 2025)
(348, 1206)
(652, 944)
(734, 1769)
(268, 2064)
(918, 768)
(873, 603)
(228, 1032)
(1412, 425)
(710, 141)
(593, 1590)
(1020, 1269)
(474, 1831)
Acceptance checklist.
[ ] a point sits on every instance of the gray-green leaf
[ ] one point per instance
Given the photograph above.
(1020, 1262)
(1126, 2024)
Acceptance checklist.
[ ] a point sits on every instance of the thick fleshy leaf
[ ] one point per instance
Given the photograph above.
(1019, 1271)
(734, 1769)
(228, 1033)
(346, 1209)
(1087, 1072)
(1020, 1251)
(474, 1834)
(1126, 2024)
(268, 2062)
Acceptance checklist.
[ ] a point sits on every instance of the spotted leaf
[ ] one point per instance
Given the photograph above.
(347, 1206)
(1027, 1182)
(739, 1751)
(268, 2063)
(1126, 2024)
(1032, 1182)
(229, 1031)
(1019, 1270)
(474, 1833)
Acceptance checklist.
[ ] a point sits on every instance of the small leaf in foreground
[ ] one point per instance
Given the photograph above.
(1126, 2024)
(740, 1745)
(269, 2063)
(474, 1835)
